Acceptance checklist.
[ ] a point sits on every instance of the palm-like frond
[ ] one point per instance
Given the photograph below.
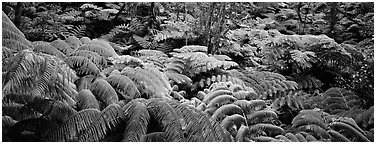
(86, 100)
(82, 65)
(270, 129)
(104, 92)
(48, 49)
(98, 60)
(108, 121)
(73, 41)
(12, 37)
(167, 118)
(103, 51)
(39, 75)
(303, 59)
(62, 46)
(71, 129)
(154, 137)
(157, 80)
(124, 85)
(137, 118)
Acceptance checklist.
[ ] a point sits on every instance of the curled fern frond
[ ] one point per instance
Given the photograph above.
(225, 110)
(270, 129)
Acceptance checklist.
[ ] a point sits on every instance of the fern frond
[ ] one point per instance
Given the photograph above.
(108, 121)
(247, 95)
(220, 101)
(103, 51)
(167, 118)
(338, 126)
(315, 130)
(154, 137)
(71, 129)
(270, 129)
(232, 120)
(214, 94)
(137, 118)
(86, 100)
(124, 85)
(178, 78)
(73, 41)
(228, 109)
(48, 49)
(104, 92)
(62, 46)
(303, 59)
(98, 60)
(336, 136)
(192, 48)
(261, 116)
(85, 40)
(82, 65)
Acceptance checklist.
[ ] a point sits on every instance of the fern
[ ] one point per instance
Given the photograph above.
(124, 85)
(271, 130)
(98, 60)
(107, 122)
(154, 137)
(82, 65)
(104, 92)
(302, 58)
(71, 129)
(86, 100)
(102, 51)
(137, 118)
(73, 41)
(48, 49)
(167, 118)
(62, 46)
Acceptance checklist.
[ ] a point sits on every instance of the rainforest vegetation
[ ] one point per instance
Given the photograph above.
(193, 71)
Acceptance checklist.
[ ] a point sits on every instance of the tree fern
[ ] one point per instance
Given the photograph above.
(104, 92)
(269, 129)
(154, 137)
(167, 118)
(124, 85)
(137, 118)
(82, 65)
(71, 129)
(98, 60)
(73, 41)
(108, 121)
(62, 46)
(48, 49)
(86, 100)
(103, 51)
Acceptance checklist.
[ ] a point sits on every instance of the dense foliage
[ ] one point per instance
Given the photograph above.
(187, 72)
